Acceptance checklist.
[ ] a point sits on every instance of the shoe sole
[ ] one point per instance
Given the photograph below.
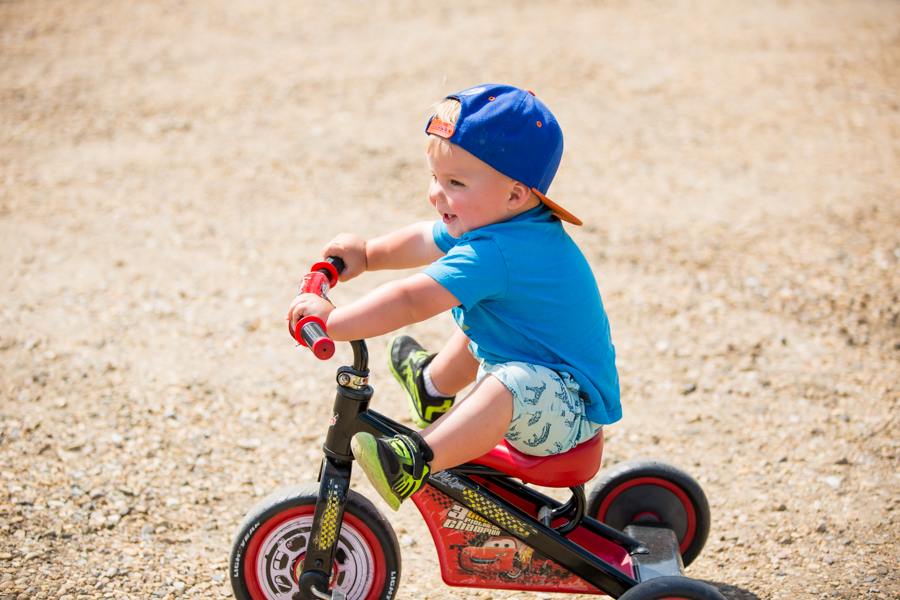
(365, 449)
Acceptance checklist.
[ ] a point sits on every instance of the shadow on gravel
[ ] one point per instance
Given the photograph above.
(732, 592)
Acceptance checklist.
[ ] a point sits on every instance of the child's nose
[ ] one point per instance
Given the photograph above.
(435, 191)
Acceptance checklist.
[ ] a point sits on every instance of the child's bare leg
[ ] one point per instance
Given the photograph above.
(454, 367)
(472, 427)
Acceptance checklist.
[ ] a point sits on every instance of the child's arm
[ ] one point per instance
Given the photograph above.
(385, 309)
(390, 307)
(405, 248)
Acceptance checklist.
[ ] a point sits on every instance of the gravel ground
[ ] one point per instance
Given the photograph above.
(168, 170)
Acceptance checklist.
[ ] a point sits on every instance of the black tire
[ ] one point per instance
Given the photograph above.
(672, 588)
(652, 490)
(272, 538)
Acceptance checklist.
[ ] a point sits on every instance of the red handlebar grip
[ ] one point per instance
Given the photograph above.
(311, 333)
(323, 348)
(314, 283)
(332, 271)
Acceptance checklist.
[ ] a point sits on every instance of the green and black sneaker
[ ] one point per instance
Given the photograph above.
(396, 466)
(408, 361)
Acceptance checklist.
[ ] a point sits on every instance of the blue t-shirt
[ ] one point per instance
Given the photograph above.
(528, 294)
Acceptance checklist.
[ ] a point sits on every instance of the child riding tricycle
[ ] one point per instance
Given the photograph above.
(534, 340)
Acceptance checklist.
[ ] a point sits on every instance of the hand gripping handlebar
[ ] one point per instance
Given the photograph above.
(310, 331)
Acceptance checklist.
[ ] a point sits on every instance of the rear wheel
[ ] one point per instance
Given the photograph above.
(672, 588)
(646, 490)
(268, 550)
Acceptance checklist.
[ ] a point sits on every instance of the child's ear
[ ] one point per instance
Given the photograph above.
(518, 195)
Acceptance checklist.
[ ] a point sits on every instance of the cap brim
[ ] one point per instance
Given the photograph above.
(558, 210)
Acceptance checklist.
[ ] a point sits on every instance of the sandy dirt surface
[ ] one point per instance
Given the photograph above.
(169, 169)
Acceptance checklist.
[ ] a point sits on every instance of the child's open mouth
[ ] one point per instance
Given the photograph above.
(448, 218)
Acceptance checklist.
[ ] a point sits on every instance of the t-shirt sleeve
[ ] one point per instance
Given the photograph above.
(473, 271)
(442, 237)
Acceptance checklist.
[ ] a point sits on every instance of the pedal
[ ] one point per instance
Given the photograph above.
(663, 558)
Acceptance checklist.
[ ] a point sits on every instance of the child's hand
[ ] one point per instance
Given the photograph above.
(308, 305)
(352, 249)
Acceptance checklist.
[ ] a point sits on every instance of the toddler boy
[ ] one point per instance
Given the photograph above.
(533, 333)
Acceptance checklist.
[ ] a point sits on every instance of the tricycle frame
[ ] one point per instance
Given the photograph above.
(475, 487)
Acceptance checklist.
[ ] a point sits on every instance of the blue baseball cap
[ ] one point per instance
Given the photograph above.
(512, 131)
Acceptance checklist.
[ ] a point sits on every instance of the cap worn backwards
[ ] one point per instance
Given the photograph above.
(512, 131)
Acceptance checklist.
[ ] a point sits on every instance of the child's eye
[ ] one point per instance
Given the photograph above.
(456, 183)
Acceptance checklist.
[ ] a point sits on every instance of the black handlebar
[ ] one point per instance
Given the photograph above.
(337, 263)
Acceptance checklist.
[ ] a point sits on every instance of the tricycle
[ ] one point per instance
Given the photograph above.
(631, 537)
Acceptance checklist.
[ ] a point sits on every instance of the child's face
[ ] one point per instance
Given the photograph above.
(467, 192)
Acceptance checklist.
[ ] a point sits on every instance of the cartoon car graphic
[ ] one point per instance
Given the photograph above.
(505, 556)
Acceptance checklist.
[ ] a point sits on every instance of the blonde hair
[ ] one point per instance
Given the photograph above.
(447, 110)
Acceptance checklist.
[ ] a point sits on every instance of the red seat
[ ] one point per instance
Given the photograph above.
(568, 469)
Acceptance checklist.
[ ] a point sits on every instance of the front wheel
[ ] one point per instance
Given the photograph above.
(672, 588)
(268, 550)
(647, 490)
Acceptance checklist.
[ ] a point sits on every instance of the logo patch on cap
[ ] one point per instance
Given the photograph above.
(440, 128)
(472, 91)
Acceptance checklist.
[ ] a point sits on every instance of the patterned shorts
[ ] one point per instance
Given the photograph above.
(548, 415)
